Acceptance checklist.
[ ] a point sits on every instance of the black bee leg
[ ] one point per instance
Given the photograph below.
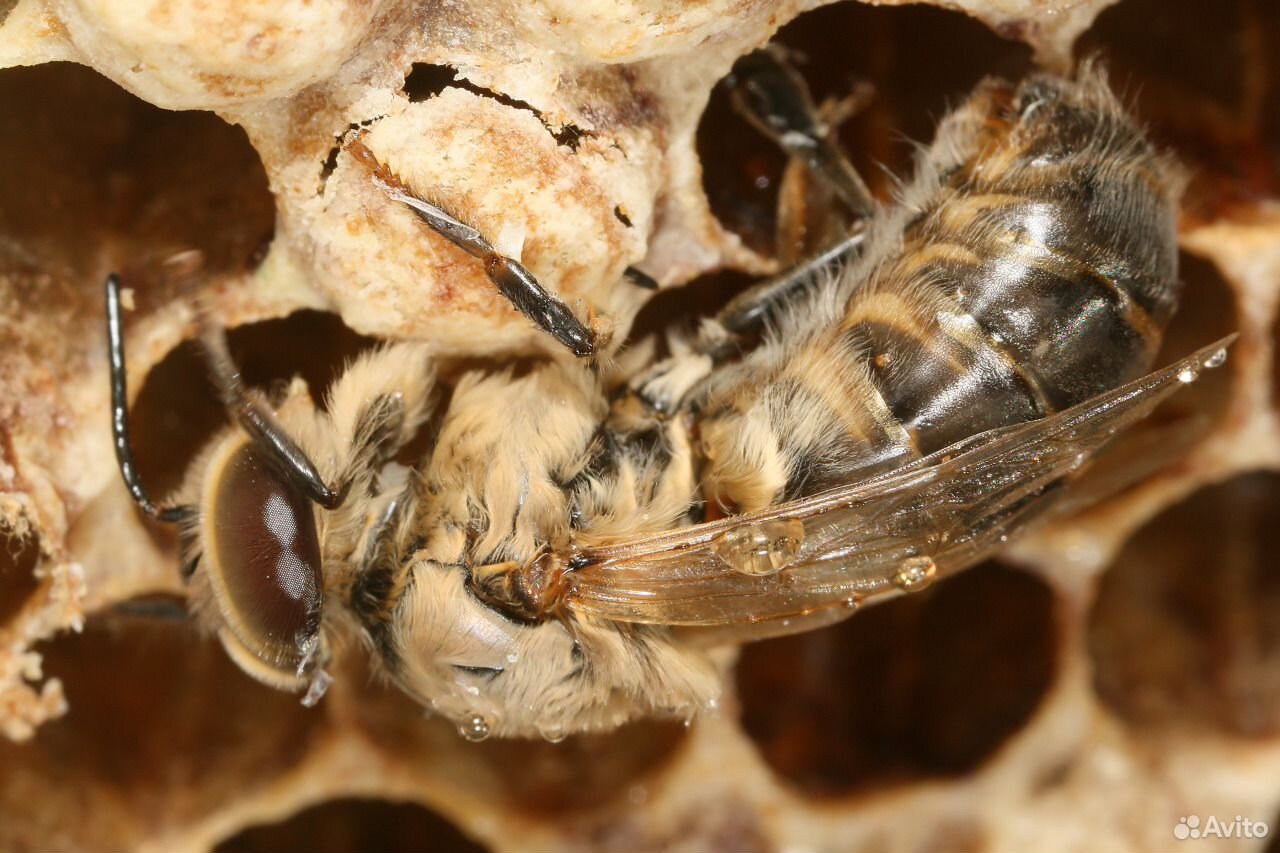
(772, 95)
(120, 413)
(748, 312)
(260, 423)
(514, 282)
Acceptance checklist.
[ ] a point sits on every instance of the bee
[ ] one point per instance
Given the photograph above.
(584, 538)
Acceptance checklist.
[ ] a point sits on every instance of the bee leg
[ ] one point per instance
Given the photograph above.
(747, 312)
(120, 414)
(261, 424)
(810, 216)
(514, 282)
(774, 98)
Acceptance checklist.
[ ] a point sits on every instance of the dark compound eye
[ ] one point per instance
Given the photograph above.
(265, 560)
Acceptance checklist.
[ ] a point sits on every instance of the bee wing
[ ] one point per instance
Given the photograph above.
(889, 533)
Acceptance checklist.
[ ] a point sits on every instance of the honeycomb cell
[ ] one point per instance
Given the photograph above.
(1185, 630)
(926, 686)
(920, 60)
(576, 775)
(354, 826)
(88, 160)
(1206, 85)
(584, 772)
(161, 719)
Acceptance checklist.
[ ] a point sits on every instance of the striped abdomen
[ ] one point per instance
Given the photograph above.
(1031, 266)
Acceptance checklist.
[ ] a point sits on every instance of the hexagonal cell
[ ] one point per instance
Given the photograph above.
(1185, 629)
(584, 772)
(576, 775)
(88, 159)
(162, 730)
(923, 687)
(920, 60)
(1219, 108)
(354, 826)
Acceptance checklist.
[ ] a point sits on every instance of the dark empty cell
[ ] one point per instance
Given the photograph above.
(162, 720)
(1206, 84)
(577, 775)
(89, 164)
(62, 130)
(921, 687)
(1185, 630)
(177, 410)
(174, 415)
(682, 307)
(17, 573)
(311, 344)
(189, 180)
(920, 60)
(583, 772)
(354, 826)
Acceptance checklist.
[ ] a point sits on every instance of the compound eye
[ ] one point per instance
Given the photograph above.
(264, 563)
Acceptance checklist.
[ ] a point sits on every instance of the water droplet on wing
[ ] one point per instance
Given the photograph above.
(1217, 358)
(915, 573)
(761, 549)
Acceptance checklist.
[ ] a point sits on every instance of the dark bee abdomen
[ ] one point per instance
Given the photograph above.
(1030, 265)
(1042, 275)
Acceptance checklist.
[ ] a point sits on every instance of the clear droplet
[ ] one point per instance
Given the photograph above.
(512, 657)
(474, 727)
(1187, 375)
(1217, 358)
(551, 732)
(915, 573)
(851, 602)
(761, 549)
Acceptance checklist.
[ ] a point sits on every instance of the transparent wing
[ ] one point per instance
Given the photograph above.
(891, 533)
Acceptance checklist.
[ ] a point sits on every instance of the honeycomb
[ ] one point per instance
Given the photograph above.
(1112, 683)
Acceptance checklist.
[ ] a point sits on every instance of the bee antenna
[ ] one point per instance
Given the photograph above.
(120, 414)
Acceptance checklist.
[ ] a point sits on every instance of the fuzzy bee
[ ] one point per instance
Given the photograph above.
(889, 413)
